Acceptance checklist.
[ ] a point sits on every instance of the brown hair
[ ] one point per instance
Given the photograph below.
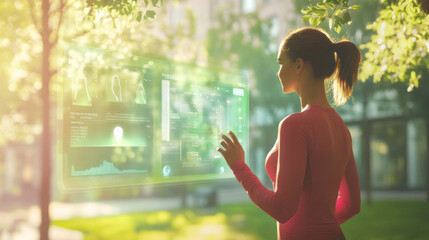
(340, 60)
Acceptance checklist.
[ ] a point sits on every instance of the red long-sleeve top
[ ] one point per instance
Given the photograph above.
(314, 175)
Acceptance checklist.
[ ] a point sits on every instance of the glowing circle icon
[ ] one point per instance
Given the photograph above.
(166, 170)
(118, 132)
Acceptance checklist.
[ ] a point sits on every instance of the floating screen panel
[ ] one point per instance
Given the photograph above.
(130, 120)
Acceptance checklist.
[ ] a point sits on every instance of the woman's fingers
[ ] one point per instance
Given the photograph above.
(221, 150)
(234, 138)
(227, 140)
(224, 144)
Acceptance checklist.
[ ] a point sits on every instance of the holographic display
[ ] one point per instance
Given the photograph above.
(136, 120)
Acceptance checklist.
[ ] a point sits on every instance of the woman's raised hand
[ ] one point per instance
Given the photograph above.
(233, 150)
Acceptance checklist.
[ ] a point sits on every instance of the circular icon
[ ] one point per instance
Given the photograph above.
(222, 169)
(166, 170)
(117, 132)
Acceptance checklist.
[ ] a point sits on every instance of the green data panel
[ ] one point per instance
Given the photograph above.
(135, 120)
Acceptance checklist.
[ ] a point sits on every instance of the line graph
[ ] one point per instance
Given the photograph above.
(81, 81)
(118, 99)
(104, 169)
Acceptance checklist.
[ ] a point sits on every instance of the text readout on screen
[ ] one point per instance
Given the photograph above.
(135, 120)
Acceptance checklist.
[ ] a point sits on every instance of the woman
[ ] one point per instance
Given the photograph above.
(312, 167)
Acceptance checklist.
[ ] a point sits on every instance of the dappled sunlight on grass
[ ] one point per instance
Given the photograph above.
(382, 220)
(222, 223)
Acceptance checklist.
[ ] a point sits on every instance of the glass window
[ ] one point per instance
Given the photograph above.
(248, 6)
(356, 133)
(416, 153)
(387, 100)
(388, 155)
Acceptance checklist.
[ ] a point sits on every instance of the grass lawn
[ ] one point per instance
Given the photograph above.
(381, 220)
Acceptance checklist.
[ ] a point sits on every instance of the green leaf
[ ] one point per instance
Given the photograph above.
(319, 12)
(150, 14)
(354, 7)
(340, 12)
(305, 11)
(313, 21)
(146, 2)
(413, 79)
(305, 18)
(346, 17)
(154, 2)
(338, 21)
(139, 16)
(337, 28)
(320, 6)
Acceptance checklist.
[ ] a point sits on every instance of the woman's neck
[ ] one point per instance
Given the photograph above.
(314, 94)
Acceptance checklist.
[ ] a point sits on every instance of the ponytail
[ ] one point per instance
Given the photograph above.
(348, 58)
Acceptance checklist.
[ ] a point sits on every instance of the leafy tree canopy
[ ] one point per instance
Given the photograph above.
(336, 12)
(128, 8)
(398, 51)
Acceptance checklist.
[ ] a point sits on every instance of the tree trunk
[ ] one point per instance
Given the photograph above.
(45, 185)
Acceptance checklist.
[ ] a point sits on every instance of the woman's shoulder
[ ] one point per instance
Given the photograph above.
(296, 125)
(298, 119)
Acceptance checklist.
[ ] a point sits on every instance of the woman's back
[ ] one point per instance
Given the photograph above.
(329, 152)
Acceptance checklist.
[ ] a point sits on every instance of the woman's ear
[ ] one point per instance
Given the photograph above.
(299, 65)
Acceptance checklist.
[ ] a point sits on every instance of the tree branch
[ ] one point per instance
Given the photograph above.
(80, 34)
(61, 11)
(33, 17)
(113, 19)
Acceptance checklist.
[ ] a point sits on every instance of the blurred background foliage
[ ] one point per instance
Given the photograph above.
(238, 39)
